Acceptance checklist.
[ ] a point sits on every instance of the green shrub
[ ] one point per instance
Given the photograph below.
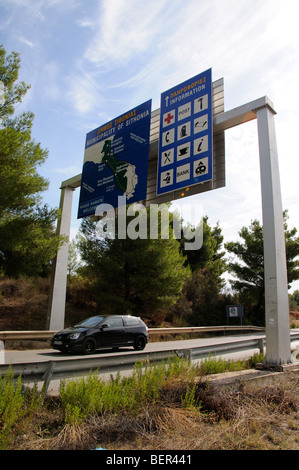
(14, 404)
(255, 359)
(219, 365)
(92, 395)
(11, 405)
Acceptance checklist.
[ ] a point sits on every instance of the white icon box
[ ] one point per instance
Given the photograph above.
(168, 137)
(200, 167)
(167, 157)
(184, 131)
(183, 151)
(184, 111)
(183, 173)
(201, 124)
(166, 178)
(169, 118)
(200, 145)
(201, 103)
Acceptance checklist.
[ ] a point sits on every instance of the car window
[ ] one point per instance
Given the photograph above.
(114, 321)
(131, 321)
(90, 322)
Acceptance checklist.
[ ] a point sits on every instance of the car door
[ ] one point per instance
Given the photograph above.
(133, 327)
(112, 331)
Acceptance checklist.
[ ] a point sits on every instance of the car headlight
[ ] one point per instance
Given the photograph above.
(74, 336)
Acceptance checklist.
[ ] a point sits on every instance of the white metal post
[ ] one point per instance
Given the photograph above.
(278, 349)
(56, 311)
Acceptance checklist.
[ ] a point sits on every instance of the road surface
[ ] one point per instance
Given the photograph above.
(40, 355)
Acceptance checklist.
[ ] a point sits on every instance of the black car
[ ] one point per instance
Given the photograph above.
(102, 332)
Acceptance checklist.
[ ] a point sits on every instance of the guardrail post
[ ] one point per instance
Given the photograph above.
(260, 344)
(48, 376)
(184, 353)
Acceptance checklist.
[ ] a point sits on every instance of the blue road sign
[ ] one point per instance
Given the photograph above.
(186, 135)
(116, 161)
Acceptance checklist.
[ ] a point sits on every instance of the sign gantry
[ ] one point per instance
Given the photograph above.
(278, 350)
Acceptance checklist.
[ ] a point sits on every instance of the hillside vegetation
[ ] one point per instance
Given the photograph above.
(24, 305)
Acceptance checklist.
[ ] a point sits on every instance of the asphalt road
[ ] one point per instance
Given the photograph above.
(40, 355)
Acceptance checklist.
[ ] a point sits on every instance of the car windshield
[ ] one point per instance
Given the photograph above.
(89, 322)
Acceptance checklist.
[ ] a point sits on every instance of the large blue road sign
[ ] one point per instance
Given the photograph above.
(116, 161)
(186, 135)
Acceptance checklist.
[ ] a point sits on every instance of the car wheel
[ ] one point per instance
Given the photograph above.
(139, 343)
(89, 346)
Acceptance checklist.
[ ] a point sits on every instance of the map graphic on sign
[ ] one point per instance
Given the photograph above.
(125, 176)
(186, 134)
(116, 161)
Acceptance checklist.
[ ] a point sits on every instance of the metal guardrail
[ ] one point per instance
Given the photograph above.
(69, 368)
(46, 335)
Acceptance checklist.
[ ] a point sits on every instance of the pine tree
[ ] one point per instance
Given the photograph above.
(27, 239)
(247, 266)
(142, 276)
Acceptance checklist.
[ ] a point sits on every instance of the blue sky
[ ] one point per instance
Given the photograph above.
(90, 61)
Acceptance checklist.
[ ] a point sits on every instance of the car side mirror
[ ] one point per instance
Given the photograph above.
(105, 326)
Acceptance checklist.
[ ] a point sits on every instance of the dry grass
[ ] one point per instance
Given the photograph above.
(294, 319)
(263, 418)
(24, 303)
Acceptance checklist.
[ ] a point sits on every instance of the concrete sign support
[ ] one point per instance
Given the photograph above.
(278, 349)
(56, 308)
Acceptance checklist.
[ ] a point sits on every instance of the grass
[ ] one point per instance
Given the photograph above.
(160, 406)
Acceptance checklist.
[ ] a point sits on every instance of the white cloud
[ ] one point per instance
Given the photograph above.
(156, 44)
(86, 92)
(123, 29)
(49, 80)
(81, 94)
(27, 42)
(37, 9)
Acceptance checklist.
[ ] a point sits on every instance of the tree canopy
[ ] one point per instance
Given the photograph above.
(27, 239)
(9, 73)
(247, 265)
(141, 276)
(201, 295)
